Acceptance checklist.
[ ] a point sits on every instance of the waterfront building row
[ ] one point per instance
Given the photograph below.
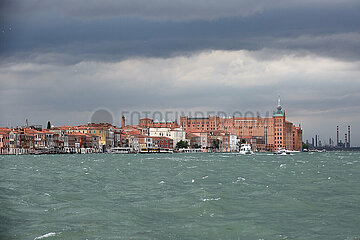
(212, 133)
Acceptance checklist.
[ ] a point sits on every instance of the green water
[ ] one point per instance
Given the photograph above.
(181, 196)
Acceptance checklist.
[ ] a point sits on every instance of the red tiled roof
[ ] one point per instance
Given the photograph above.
(140, 136)
(5, 130)
(161, 138)
(31, 131)
(133, 132)
(195, 131)
(191, 135)
(77, 134)
(65, 127)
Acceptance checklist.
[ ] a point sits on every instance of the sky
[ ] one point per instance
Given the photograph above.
(61, 61)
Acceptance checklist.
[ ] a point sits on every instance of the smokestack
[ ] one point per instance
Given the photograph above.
(123, 121)
(345, 144)
(348, 136)
(337, 135)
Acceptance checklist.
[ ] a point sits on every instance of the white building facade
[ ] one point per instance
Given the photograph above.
(176, 134)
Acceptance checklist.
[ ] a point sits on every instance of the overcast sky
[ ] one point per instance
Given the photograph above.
(63, 60)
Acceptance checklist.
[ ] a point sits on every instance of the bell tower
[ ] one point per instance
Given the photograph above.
(279, 126)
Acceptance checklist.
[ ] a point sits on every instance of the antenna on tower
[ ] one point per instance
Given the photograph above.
(279, 104)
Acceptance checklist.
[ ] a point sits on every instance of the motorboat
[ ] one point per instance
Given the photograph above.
(282, 151)
(245, 149)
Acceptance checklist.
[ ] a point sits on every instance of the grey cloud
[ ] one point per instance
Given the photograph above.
(161, 9)
(342, 45)
(323, 30)
(54, 91)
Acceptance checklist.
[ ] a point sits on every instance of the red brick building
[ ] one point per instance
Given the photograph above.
(162, 142)
(266, 133)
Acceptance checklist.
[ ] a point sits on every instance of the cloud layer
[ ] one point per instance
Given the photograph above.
(163, 9)
(64, 60)
(313, 87)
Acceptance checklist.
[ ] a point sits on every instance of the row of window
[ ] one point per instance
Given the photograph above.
(4, 139)
(94, 131)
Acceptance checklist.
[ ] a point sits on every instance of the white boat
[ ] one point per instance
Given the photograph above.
(121, 150)
(245, 149)
(282, 151)
(293, 151)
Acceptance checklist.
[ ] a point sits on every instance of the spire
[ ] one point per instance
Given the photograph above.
(279, 105)
(279, 111)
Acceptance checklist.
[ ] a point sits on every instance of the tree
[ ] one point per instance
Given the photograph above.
(243, 141)
(182, 144)
(48, 125)
(216, 143)
(197, 145)
(305, 146)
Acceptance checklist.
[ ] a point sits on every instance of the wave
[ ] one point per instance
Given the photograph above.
(50, 234)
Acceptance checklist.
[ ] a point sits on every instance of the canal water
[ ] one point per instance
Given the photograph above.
(181, 196)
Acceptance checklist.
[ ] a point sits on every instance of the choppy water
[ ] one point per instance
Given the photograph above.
(181, 196)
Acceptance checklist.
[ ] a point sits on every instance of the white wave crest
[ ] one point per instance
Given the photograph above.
(50, 234)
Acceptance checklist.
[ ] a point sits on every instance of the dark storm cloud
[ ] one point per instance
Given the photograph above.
(155, 9)
(322, 29)
(178, 10)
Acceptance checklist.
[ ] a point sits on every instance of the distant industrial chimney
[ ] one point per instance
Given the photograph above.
(123, 121)
(337, 135)
(348, 136)
(345, 144)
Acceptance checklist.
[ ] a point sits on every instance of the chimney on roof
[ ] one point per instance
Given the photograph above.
(123, 121)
